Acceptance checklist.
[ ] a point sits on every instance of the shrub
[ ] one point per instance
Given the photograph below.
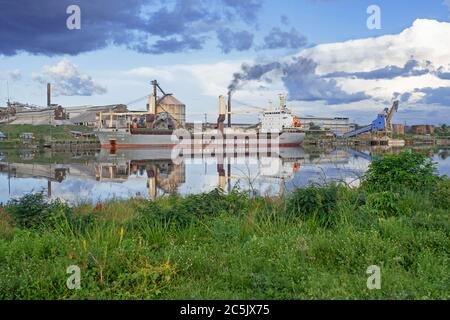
(408, 170)
(33, 210)
(314, 201)
(184, 210)
(385, 203)
(440, 195)
(6, 230)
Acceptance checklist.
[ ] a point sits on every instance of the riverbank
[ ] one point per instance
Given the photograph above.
(410, 140)
(56, 137)
(316, 243)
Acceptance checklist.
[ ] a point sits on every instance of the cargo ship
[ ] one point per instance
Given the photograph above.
(163, 126)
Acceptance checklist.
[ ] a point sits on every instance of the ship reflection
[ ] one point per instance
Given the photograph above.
(160, 174)
(150, 173)
(165, 175)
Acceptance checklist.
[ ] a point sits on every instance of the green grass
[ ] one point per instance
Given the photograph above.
(45, 132)
(44, 156)
(316, 243)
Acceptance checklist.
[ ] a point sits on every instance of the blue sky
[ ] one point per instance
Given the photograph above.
(193, 48)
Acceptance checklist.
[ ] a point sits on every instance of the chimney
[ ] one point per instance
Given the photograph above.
(151, 105)
(151, 109)
(49, 95)
(222, 112)
(229, 109)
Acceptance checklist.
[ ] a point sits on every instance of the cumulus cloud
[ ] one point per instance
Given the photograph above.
(424, 40)
(284, 39)
(303, 84)
(170, 45)
(68, 80)
(443, 74)
(39, 27)
(402, 97)
(406, 71)
(234, 40)
(15, 74)
(393, 66)
(300, 78)
(439, 95)
(247, 9)
(411, 68)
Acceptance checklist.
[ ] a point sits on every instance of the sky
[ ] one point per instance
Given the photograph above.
(322, 54)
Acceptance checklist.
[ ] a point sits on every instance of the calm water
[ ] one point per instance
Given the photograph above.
(78, 177)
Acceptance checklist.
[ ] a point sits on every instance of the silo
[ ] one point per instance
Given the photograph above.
(177, 110)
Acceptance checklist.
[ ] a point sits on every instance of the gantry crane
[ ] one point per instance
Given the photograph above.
(382, 124)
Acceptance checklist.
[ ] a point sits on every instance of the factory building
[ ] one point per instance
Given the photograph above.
(339, 125)
(422, 129)
(398, 129)
(34, 116)
(55, 114)
(87, 115)
(83, 115)
(28, 114)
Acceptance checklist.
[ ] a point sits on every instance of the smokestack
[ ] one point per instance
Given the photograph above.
(151, 105)
(222, 112)
(151, 109)
(49, 95)
(229, 109)
(155, 87)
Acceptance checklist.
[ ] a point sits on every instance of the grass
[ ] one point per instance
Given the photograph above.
(41, 133)
(44, 156)
(217, 246)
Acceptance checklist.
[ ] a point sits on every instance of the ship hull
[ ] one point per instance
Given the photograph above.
(123, 139)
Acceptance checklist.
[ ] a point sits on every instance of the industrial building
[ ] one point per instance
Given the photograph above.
(82, 115)
(422, 129)
(398, 129)
(55, 114)
(87, 115)
(164, 112)
(339, 125)
(34, 116)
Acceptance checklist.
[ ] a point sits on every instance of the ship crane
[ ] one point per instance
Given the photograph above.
(383, 123)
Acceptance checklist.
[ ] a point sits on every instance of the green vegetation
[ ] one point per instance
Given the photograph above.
(315, 243)
(442, 131)
(44, 156)
(42, 133)
(397, 171)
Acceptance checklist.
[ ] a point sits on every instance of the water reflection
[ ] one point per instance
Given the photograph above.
(92, 177)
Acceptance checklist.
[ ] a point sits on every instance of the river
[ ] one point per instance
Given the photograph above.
(77, 177)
